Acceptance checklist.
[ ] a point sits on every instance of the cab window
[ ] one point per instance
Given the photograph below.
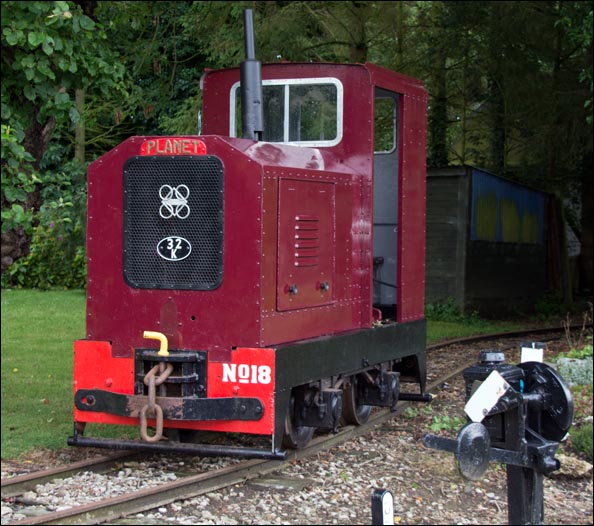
(305, 112)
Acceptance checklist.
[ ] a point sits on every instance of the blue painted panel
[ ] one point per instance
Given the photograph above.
(505, 212)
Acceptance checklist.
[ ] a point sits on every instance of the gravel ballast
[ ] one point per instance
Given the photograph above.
(335, 486)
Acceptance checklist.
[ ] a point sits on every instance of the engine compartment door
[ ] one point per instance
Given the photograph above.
(306, 244)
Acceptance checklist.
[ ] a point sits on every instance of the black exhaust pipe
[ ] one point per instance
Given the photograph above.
(250, 72)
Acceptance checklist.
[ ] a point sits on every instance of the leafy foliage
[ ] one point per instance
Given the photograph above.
(549, 305)
(163, 80)
(57, 251)
(581, 434)
(582, 440)
(510, 83)
(51, 48)
(449, 311)
(18, 180)
(575, 366)
(580, 354)
(446, 423)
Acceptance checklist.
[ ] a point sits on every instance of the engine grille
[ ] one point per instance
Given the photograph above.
(173, 222)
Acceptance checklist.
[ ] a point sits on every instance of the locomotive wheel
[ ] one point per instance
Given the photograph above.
(295, 437)
(353, 412)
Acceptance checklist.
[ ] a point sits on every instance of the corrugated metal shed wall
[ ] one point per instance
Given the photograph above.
(447, 224)
(506, 259)
(505, 212)
(486, 246)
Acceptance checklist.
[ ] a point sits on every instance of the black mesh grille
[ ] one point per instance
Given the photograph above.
(173, 222)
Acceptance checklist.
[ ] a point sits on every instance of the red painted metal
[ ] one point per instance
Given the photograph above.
(96, 368)
(172, 146)
(196, 320)
(249, 373)
(306, 244)
(272, 193)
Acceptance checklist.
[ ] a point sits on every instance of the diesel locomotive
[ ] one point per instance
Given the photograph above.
(266, 276)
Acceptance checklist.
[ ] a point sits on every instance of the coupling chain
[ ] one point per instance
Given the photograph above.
(153, 409)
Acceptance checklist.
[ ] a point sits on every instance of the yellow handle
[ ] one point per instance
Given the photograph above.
(162, 338)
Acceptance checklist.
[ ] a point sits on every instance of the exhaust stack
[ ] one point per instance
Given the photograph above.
(250, 72)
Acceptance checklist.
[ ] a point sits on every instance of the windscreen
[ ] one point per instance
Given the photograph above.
(304, 112)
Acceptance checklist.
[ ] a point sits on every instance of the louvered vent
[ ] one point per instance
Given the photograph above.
(307, 241)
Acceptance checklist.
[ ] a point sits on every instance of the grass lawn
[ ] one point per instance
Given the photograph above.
(38, 332)
(438, 330)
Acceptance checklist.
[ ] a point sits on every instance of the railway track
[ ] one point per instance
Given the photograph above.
(185, 487)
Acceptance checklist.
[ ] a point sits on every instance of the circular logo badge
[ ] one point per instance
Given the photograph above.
(174, 248)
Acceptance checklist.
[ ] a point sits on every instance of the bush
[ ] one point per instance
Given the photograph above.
(18, 180)
(575, 371)
(445, 311)
(550, 305)
(57, 255)
(581, 440)
(54, 260)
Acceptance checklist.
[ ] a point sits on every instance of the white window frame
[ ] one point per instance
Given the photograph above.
(288, 82)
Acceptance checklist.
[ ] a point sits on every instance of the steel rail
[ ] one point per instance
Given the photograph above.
(19, 484)
(503, 335)
(114, 508)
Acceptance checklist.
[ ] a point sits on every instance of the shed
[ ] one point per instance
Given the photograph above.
(486, 242)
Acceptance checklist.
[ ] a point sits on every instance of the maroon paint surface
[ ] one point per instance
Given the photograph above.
(266, 187)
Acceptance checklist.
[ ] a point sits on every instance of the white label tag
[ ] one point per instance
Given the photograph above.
(388, 508)
(486, 396)
(530, 354)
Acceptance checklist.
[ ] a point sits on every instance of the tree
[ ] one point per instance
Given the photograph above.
(162, 80)
(510, 87)
(49, 49)
(510, 83)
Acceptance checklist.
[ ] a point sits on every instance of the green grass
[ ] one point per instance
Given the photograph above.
(38, 332)
(445, 322)
(438, 330)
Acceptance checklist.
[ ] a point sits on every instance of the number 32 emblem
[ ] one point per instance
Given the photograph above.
(174, 248)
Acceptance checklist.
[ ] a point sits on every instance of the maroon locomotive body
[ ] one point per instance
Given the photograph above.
(284, 277)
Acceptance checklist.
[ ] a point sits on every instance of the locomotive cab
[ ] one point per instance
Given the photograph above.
(360, 120)
(284, 276)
